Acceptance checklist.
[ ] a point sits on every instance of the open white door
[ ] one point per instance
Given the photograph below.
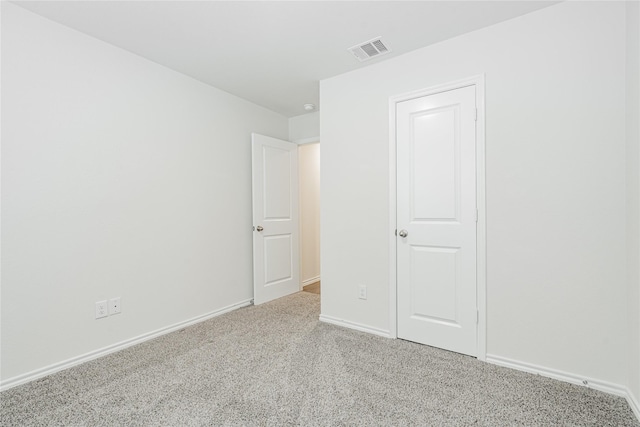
(436, 220)
(275, 218)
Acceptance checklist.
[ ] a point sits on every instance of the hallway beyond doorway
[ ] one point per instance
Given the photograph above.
(314, 288)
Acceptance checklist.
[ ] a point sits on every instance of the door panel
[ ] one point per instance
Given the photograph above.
(435, 183)
(436, 302)
(277, 182)
(436, 206)
(275, 218)
(277, 259)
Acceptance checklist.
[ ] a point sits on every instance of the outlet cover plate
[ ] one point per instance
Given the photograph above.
(362, 292)
(101, 309)
(114, 306)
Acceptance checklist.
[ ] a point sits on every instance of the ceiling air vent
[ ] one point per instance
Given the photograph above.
(369, 49)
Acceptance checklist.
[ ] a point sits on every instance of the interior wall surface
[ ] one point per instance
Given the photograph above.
(305, 127)
(555, 185)
(120, 178)
(633, 194)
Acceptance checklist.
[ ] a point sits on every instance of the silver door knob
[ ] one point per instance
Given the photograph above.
(259, 228)
(403, 233)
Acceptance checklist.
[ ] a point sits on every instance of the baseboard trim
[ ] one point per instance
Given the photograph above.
(557, 374)
(352, 325)
(310, 281)
(633, 402)
(56, 367)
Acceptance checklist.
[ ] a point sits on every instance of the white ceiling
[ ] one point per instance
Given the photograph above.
(272, 53)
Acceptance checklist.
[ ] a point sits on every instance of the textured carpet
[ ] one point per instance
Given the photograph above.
(276, 365)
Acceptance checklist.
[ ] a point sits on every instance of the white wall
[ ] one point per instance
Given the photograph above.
(119, 178)
(305, 127)
(309, 167)
(556, 202)
(633, 193)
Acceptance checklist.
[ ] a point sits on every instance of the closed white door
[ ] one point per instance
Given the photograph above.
(275, 218)
(436, 220)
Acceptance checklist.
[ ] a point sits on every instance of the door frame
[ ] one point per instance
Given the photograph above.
(481, 227)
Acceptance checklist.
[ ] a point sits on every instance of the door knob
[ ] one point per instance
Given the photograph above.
(259, 228)
(403, 233)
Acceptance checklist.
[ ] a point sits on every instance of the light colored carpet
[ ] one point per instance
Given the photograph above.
(276, 365)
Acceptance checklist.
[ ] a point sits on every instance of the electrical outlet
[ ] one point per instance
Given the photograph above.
(362, 292)
(114, 306)
(101, 309)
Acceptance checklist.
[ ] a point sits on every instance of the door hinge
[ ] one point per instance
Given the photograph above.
(396, 231)
(476, 118)
(477, 316)
(476, 215)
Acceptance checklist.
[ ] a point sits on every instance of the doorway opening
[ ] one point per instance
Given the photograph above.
(279, 183)
(309, 190)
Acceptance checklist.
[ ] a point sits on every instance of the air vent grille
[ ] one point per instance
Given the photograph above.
(380, 46)
(369, 49)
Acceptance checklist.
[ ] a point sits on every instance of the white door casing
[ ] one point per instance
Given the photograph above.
(275, 218)
(436, 207)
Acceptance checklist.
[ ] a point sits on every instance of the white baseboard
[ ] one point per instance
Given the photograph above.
(48, 370)
(353, 325)
(557, 374)
(310, 281)
(633, 402)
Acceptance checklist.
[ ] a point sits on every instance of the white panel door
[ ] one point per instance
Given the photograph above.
(436, 220)
(275, 218)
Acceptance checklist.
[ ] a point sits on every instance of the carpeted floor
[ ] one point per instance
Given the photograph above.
(276, 365)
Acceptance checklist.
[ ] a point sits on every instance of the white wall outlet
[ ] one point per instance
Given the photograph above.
(101, 309)
(114, 306)
(362, 292)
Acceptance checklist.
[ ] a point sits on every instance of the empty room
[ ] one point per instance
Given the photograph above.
(403, 213)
